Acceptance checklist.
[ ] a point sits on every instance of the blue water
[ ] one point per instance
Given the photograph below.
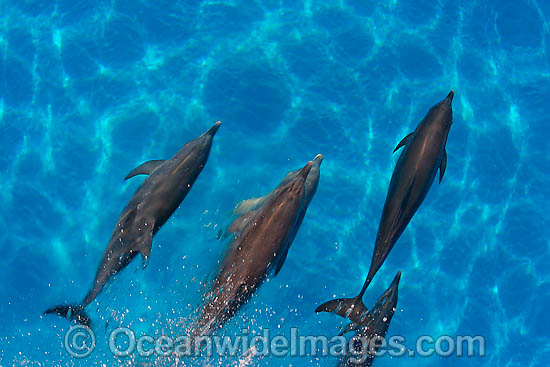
(90, 89)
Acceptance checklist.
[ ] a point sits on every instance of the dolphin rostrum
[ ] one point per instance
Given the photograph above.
(423, 154)
(160, 194)
(368, 335)
(266, 228)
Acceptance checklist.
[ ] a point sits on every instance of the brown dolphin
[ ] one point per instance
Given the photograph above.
(160, 194)
(373, 328)
(248, 208)
(260, 246)
(423, 154)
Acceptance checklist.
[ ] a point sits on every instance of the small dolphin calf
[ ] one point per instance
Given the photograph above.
(161, 193)
(266, 229)
(423, 154)
(369, 333)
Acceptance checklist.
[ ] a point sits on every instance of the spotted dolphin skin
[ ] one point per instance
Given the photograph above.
(373, 328)
(160, 194)
(423, 154)
(260, 247)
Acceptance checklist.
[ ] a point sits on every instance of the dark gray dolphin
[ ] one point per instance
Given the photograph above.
(255, 251)
(423, 154)
(374, 327)
(160, 194)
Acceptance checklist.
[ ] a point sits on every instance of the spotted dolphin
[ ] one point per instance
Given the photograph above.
(160, 194)
(423, 154)
(260, 247)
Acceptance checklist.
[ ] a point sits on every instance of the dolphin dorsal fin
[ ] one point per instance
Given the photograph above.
(404, 142)
(145, 168)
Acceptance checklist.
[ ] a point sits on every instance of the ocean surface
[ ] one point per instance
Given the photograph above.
(90, 89)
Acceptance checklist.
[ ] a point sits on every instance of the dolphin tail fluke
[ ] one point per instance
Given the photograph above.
(350, 308)
(74, 313)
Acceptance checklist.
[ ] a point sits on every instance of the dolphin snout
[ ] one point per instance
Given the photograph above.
(450, 96)
(395, 282)
(212, 131)
(318, 159)
(305, 171)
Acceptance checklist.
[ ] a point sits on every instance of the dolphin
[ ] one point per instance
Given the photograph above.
(260, 247)
(160, 194)
(423, 154)
(248, 208)
(372, 329)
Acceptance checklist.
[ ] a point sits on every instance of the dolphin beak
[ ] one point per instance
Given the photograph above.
(305, 171)
(450, 96)
(318, 159)
(212, 131)
(396, 280)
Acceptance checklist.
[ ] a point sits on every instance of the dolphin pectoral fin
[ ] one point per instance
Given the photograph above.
(245, 211)
(249, 205)
(145, 252)
(350, 308)
(443, 165)
(145, 168)
(238, 224)
(144, 262)
(404, 142)
(236, 227)
(281, 261)
(144, 247)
